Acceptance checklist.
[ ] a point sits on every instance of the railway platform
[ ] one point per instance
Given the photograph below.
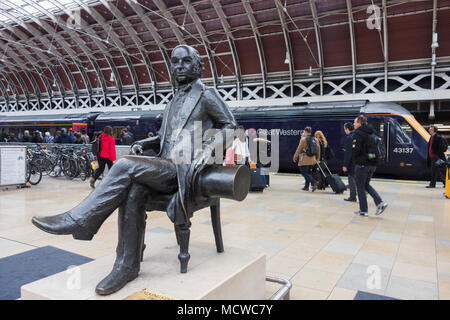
(313, 239)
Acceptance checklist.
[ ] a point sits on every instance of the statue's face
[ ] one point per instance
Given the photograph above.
(183, 66)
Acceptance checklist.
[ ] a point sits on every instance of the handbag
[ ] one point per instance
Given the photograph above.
(94, 165)
(229, 157)
(238, 157)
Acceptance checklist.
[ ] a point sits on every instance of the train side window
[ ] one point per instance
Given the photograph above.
(117, 132)
(403, 132)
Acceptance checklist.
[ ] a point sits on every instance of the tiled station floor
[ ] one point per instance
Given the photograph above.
(313, 239)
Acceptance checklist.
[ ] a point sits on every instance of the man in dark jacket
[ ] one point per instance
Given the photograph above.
(348, 165)
(364, 166)
(26, 136)
(63, 137)
(436, 149)
(127, 138)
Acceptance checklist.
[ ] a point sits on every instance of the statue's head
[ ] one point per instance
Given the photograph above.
(185, 64)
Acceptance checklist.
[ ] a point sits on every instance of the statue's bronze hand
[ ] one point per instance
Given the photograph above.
(136, 149)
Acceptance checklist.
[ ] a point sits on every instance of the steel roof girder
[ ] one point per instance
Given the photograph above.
(287, 41)
(318, 41)
(352, 41)
(223, 20)
(152, 29)
(254, 25)
(163, 8)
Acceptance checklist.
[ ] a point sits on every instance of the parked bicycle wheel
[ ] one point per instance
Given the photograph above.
(56, 171)
(82, 169)
(34, 173)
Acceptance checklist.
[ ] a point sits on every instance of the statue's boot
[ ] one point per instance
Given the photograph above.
(84, 220)
(130, 245)
(62, 224)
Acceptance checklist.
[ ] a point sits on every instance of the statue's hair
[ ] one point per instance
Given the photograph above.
(196, 58)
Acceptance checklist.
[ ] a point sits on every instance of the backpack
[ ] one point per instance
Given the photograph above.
(376, 149)
(311, 146)
(96, 145)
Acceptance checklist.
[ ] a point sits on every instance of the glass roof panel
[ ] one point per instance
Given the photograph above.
(22, 9)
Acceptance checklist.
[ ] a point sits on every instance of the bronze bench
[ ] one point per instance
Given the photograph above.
(213, 183)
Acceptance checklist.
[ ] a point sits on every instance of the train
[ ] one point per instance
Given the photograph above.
(405, 139)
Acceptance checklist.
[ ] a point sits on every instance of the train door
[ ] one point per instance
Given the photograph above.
(381, 128)
(401, 148)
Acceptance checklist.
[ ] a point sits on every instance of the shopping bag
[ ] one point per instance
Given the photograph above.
(94, 165)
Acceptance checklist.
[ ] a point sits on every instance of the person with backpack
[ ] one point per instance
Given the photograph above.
(307, 155)
(366, 154)
(436, 150)
(105, 146)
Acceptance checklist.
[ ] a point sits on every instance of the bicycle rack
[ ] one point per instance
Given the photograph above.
(284, 292)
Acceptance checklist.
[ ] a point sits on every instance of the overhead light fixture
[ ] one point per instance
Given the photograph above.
(433, 59)
(111, 78)
(310, 71)
(54, 83)
(286, 61)
(8, 89)
(435, 43)
(221, 78)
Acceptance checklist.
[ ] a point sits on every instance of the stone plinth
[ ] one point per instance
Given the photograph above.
(233, 274)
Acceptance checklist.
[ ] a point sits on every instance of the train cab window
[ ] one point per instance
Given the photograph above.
(403, 132)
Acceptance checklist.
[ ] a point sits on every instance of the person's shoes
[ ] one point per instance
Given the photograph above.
(314, 186)
(116, 280)
(430, 186)
(305, 188)
(362, 213)
(92, 181)
(62, 224)
(381, 207)
(350, 199)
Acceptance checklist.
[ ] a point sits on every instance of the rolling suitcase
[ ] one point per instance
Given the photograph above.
(335, 182)
(257, 182)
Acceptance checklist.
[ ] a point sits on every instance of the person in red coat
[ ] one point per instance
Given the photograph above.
(107, 155)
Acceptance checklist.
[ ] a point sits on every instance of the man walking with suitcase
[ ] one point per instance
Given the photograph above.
(365, 159)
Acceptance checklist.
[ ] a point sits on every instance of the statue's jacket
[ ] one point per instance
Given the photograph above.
(204, 109)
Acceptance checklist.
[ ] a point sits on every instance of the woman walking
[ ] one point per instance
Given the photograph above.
(107, 155)
(323, 143)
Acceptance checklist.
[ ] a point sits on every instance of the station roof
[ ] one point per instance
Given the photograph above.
(72, 46)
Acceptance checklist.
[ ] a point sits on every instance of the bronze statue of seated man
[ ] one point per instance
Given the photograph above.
(132, 179)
